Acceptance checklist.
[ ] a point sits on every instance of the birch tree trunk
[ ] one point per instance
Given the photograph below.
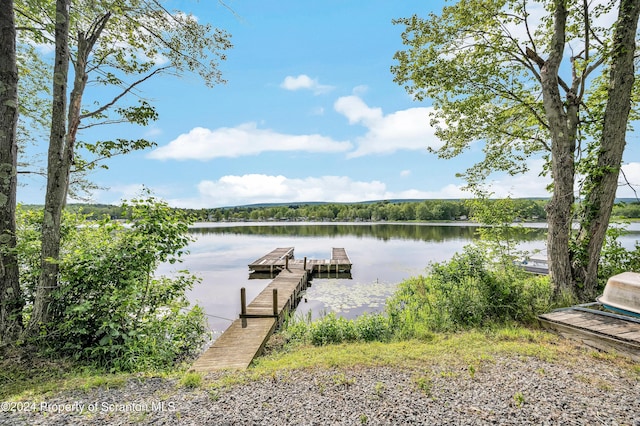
(11, 300)
(61, 153)
(57, 177)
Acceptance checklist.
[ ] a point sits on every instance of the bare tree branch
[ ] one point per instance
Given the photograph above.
(629, 184)
(124, 92)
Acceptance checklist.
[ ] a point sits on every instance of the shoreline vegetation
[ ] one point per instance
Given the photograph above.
(460, 315)
(464, 317)
(525, 210)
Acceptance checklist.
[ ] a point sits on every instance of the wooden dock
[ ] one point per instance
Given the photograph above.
(598, 329)
(339, 263)
(282, 257)
(245, 338)
(274, 261)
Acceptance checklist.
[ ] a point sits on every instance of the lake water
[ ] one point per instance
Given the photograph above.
(382, 254)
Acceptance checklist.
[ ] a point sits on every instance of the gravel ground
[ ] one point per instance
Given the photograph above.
(503, 391)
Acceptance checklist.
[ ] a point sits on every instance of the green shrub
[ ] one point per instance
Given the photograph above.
(296, 330)
(466, 292)
(191, 380)
(110, 309)
(372, 327)
(615, 259)
(332, 329)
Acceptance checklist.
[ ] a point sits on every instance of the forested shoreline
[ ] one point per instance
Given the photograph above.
(413, 210)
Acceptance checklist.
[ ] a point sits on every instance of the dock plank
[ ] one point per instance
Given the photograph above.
(237, 346)
(275, 259)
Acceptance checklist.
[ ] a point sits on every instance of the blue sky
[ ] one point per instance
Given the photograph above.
(309, 112)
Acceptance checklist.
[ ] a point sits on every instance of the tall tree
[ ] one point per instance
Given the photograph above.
(605, 158)
(57, 175)
(11, 301)
(499, 72)
(122, 44)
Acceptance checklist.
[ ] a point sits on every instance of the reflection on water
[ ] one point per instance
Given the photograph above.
(383, 231)
(382, 255)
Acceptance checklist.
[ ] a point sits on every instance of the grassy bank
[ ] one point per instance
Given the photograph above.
(461, 353)
(463, 314)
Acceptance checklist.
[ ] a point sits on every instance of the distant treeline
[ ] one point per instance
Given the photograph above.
(426, 210)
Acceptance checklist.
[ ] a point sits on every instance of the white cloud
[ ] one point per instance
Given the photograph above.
(303, 81)
(259, 188)
(402, 130)
(405, 173)
(530, 184)
(524, 185)
(232, 190)
(360, 90)
(450, 191)
(246, 139)
(357, 111)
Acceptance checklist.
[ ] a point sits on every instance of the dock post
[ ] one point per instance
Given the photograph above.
(243, 306)
(305, 263)
(286, 263)
(275, 302)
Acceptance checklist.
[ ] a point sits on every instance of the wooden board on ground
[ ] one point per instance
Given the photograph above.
(595, 329)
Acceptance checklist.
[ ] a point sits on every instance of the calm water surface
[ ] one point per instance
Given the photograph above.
(382, 255)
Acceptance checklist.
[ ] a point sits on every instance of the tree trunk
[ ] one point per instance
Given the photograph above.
(11, 299)
(601, 184)
(57, 179)
(61, 153)
(563, 129)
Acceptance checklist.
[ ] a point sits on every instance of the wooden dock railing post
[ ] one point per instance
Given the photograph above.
(243, 306)
(286, 263)
(305, 263)
(275, 302)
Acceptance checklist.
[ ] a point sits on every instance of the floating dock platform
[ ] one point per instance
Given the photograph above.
(282, 257)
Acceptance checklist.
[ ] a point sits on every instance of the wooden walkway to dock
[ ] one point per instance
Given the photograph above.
(245, 338)
(597, 329)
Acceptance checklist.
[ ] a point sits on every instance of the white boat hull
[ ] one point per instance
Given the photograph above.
(622, 293)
